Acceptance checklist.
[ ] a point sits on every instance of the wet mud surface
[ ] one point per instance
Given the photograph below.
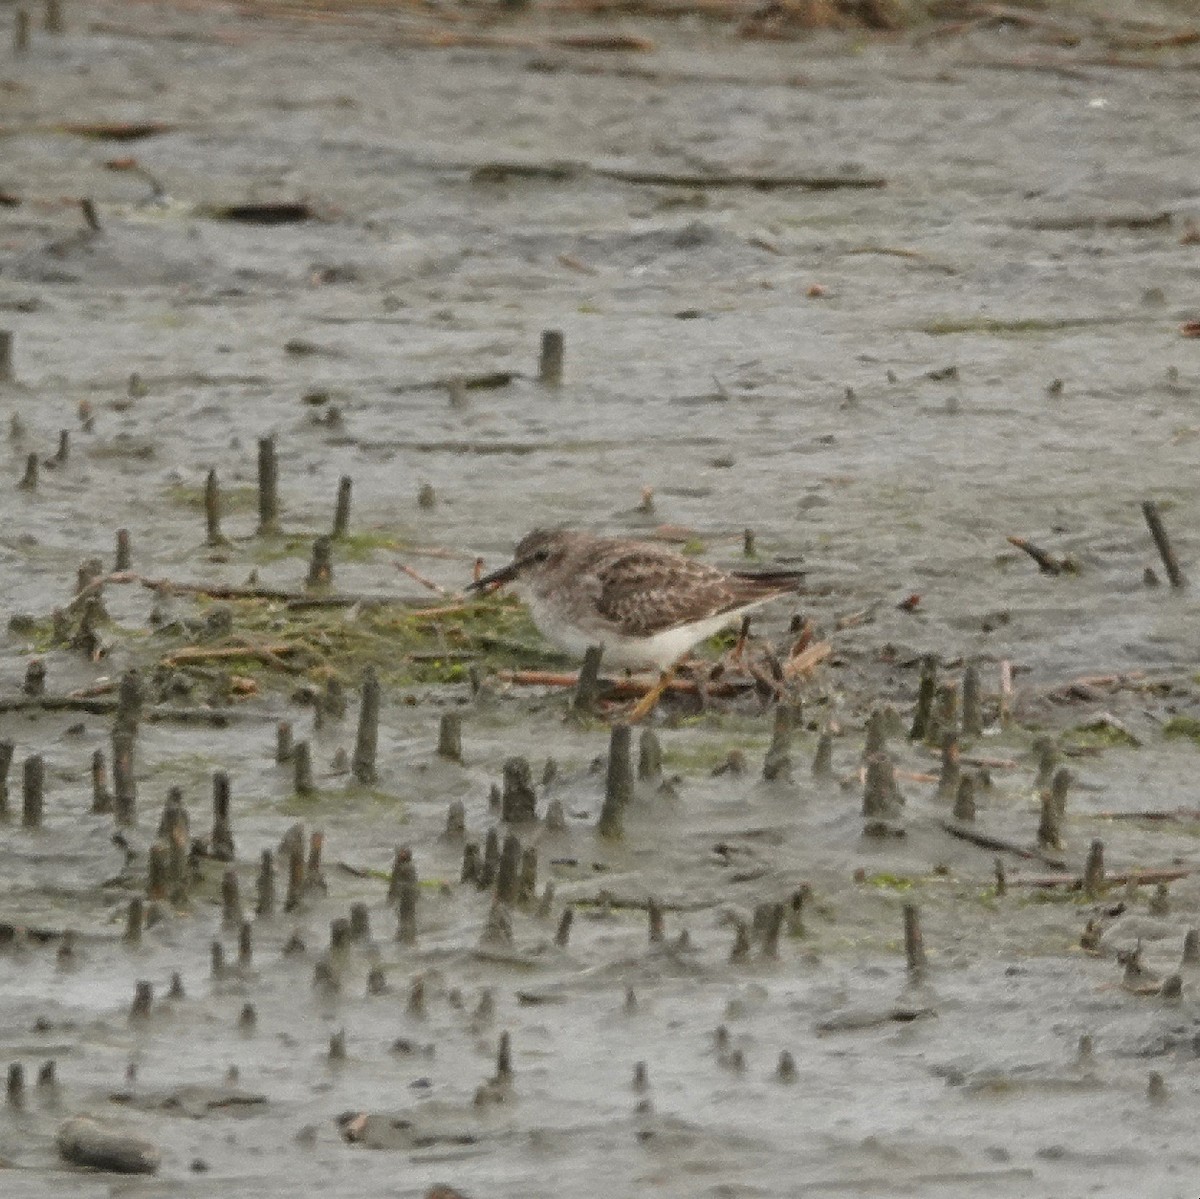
(882, 383)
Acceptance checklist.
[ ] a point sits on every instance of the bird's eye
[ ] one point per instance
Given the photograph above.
(541, 555)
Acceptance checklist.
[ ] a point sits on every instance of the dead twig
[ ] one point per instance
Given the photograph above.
(625, 688)
(1048, 564)
(192, 655)
(420, 578)
(1159, 815)
(1074, 882)
(806, 660)
(987, 841)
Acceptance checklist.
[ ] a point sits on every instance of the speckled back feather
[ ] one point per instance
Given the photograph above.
(641, 588)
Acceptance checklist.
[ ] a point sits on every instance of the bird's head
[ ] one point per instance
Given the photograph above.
(536, 552)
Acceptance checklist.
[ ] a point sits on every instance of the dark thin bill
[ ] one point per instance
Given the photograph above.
(496, 577)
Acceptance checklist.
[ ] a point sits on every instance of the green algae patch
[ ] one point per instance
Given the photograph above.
(312, 643)
(1016, 327)
(891, 882)
(1101, 733)
(1185, 727)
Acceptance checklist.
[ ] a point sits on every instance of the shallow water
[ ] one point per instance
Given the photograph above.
(698, 365)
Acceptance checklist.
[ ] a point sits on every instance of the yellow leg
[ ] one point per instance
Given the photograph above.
(646, 704)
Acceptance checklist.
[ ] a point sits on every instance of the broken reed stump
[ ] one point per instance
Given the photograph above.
(914, 943)
(124, 786)
(491, 859)
(264, 885)
(29, 480)
(212, 511)
(135, 921)
(320, 565)
(964, 801)
(1054, 809)
(403, 872)
(231, 900)
(587, 686)
(876, 734)
(362, 764)
(972, 702)
(21, 31)
(1191, 948)
(33, 787)
(944, 717)
(341, 510)
(771, 927)
(220, 843)
(35, 678)
(508, 873)
(283, 741)
(649, 763)
(143, 1000)
(7, 749)
(295, 880)
(527, 875)
(268, 486)
(562, 935)
(654, 914)
(469, 873)
(497, 929)
(1047, 753)
(130, 700)
(879, 805)
(777, 765)
(951, 772)
(450, 737)
(1093, 871)
(123, 556)
(302, 771)
(53, 22)
(1163, 543)
(618, 786)
(407, 898)
(6, 356)
(550, 360)
(360, 923)
(518, 801)
(14, 1090)
(822, 765)
(926, 690)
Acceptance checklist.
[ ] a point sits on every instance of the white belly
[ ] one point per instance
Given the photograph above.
(661, 650)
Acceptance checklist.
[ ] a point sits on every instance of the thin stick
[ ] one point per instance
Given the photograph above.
(1075, 882)
(1164, 815)
(806, 659)
(987, 841)
(190, 655)
(1163, 542)
(622, 688)
(420, 578)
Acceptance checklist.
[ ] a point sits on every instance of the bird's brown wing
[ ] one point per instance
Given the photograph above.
(646, 592)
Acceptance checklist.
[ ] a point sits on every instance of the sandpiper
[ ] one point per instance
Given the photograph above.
(645, 603)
